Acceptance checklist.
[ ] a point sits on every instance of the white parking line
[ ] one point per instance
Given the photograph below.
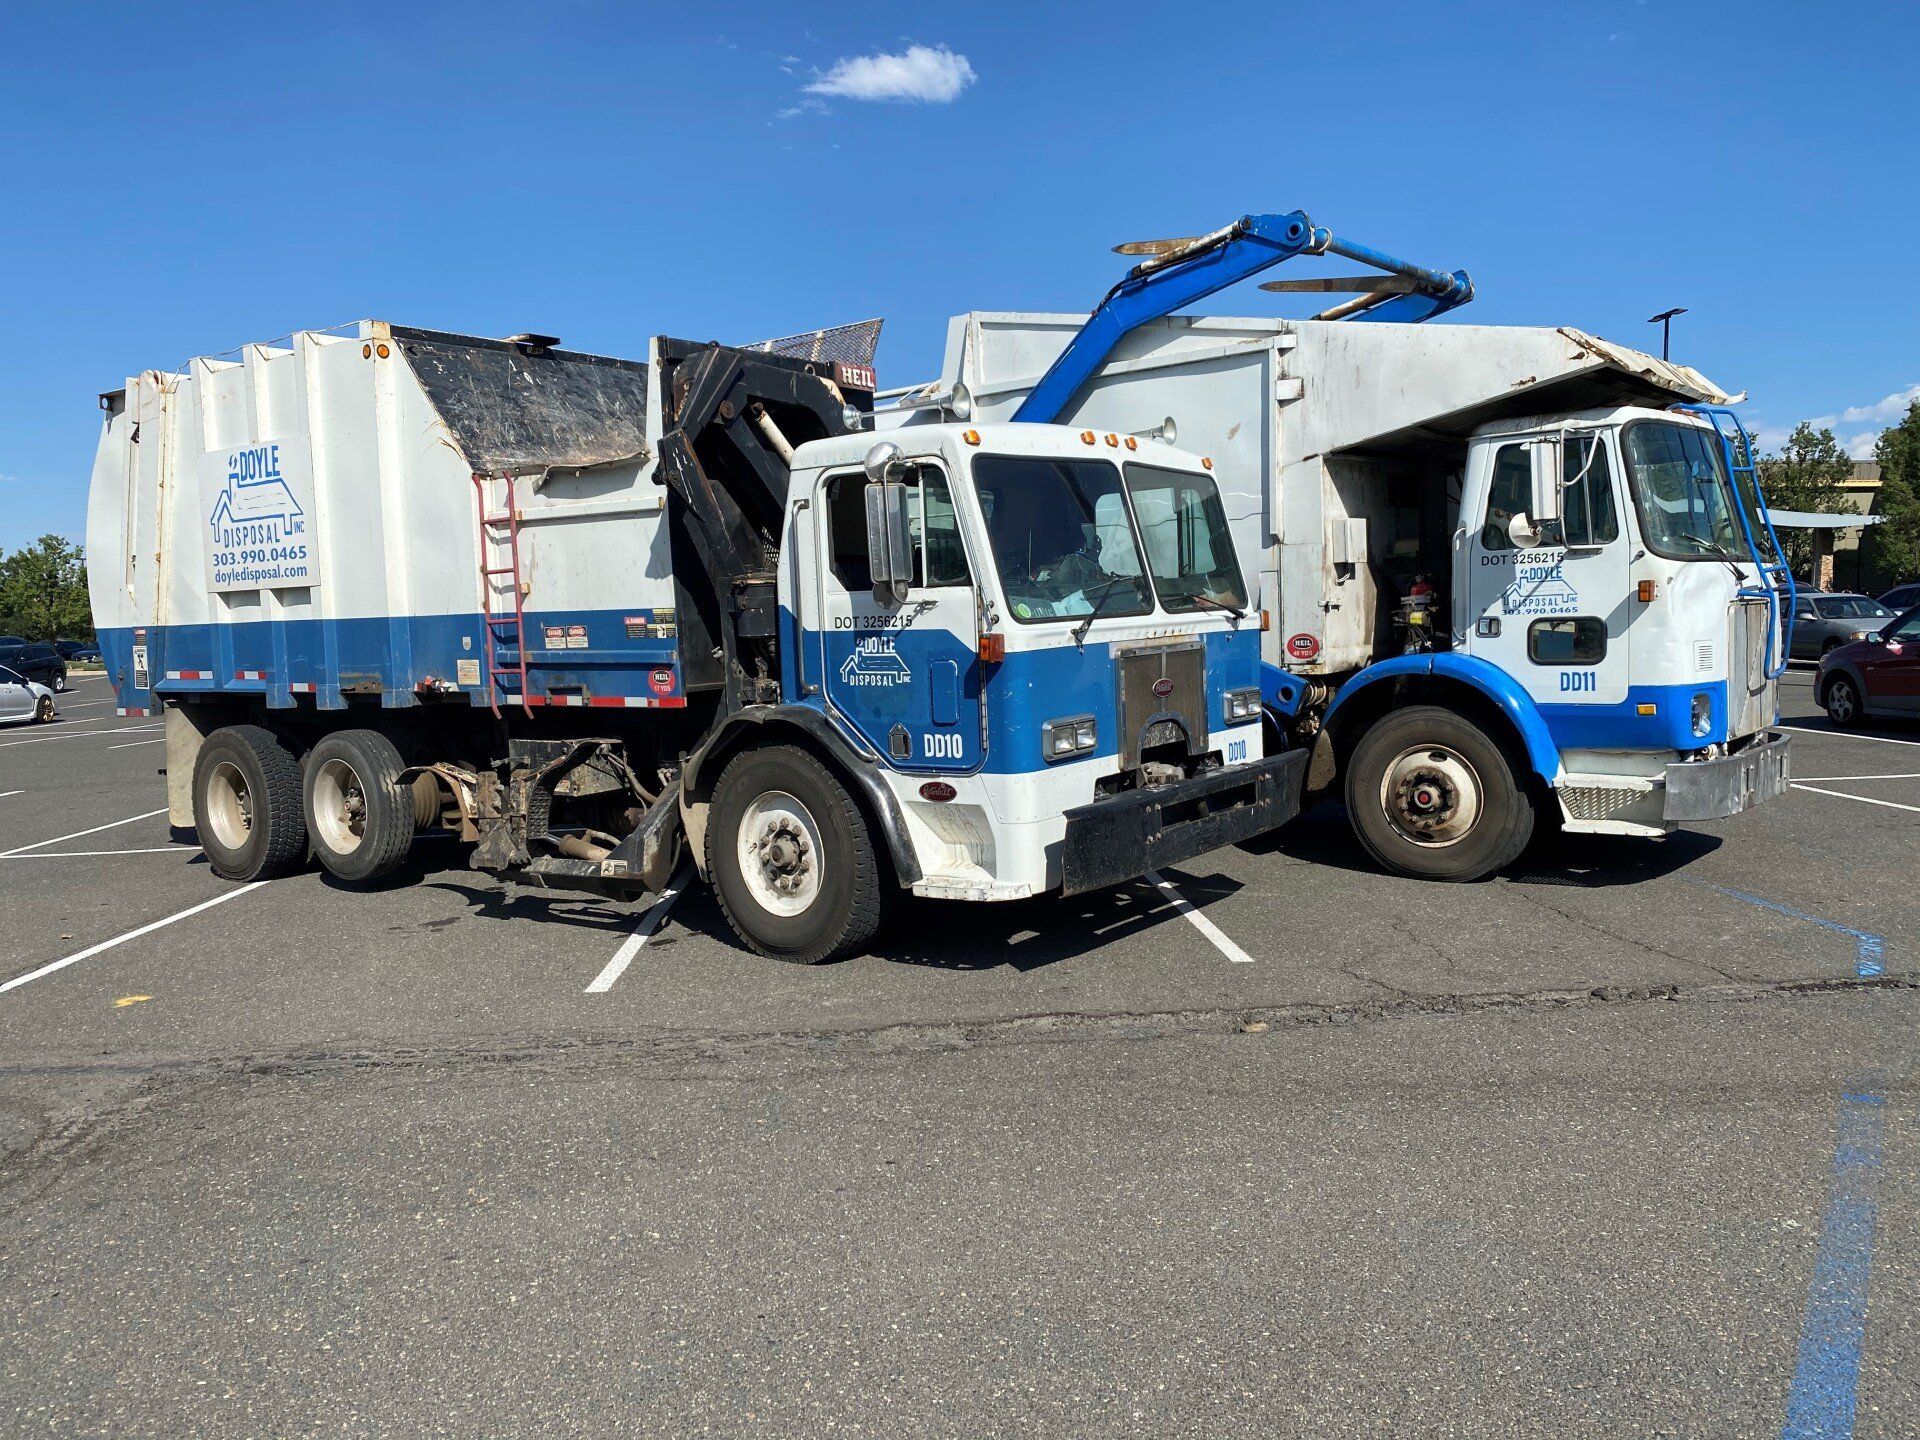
(5, 793)
(1863, 799)
(64, 734)
(158, 740)
(148, 929)
(1909, 775)
(110, 825)
(1200, 922)
(649, 922)
(91, 854)
(1847, 735)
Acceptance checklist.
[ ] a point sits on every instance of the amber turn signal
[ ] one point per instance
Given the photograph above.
(993, 647)
(1646, 591)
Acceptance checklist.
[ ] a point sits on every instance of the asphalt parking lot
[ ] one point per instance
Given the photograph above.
(1620, 1143)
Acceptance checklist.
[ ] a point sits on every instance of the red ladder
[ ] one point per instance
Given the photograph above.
(496, 620)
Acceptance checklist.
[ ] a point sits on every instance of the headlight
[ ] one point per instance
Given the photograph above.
(1242, 705)
(1071, 736)
(1860, 635)
(1702, 713)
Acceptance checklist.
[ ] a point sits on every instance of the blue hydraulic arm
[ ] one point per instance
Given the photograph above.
(1168, 283)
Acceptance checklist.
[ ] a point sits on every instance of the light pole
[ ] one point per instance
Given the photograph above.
(1665, 321)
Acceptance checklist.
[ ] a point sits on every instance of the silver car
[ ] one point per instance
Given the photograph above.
(1825, 622)
(23, 701)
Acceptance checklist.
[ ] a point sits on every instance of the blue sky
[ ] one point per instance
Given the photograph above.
(182, 179)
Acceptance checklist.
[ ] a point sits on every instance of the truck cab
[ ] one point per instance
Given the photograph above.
(1042, 643)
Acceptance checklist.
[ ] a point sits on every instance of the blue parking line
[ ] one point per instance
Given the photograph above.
(1870, 950)
(1826, 1379)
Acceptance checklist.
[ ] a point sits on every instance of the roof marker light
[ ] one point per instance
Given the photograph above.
(1086, 437)
(1113, 440)
(972, 437)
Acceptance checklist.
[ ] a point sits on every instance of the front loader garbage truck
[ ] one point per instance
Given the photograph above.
(1519, 577)
(591, 614)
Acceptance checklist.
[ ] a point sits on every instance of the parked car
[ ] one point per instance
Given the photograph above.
(22, 701)
(41, 663)
(1876, 676)
(1902, 597)
(75, 652)
(1821, 622)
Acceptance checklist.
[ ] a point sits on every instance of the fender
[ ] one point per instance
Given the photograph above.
(1486, 678)
(859, 769)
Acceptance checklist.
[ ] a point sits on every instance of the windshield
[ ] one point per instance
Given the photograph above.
(1685, 497)
(1850, 607)
(1062, 540)
(1189, 549)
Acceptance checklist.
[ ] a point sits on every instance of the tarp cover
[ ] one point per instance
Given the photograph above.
(520, 413)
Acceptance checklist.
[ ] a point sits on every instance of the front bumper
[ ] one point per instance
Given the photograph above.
(1123, 836)
(1714, 789)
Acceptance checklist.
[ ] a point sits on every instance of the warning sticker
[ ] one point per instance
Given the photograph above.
(468, 671)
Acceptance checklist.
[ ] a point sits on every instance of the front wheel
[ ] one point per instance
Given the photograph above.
(1843, 702)
(43, 709)
(791, 858)
(1433, 796)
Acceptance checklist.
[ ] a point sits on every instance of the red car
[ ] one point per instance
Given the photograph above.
(1877, 676)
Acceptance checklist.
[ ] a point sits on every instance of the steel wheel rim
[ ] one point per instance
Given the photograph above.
(1840, 700)
(229, 805)
(44, 708)
(1431, 795)
(778, 844)
(339, 806)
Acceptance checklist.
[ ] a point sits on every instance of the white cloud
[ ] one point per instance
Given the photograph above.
(1888, 410)
(932, 75)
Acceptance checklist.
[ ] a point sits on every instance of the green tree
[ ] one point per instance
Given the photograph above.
(43, 591)
(1893, 546)
(1806, 475)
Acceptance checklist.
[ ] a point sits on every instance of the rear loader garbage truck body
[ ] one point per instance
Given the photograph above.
(595, 615)
(1515, 575)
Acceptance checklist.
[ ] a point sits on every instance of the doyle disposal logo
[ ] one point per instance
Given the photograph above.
(874, 661)
(259, 508)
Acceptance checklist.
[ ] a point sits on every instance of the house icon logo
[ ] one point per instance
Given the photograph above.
(256, 493)
(874, 661)
(1540, 590)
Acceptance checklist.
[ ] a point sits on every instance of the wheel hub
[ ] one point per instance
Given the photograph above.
(1431, 795)
(780, 853)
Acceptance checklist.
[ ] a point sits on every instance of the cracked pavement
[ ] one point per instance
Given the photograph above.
(1542, 1156)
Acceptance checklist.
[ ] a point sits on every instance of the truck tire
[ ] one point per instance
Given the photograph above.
(791, 858)
(246, 804)
(1431, 795)
(359, 812)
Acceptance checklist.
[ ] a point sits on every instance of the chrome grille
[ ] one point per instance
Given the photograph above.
(1147, 718)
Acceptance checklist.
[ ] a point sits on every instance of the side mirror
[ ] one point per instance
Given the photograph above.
(889, 543)
(1547, 476)
(1524, 534)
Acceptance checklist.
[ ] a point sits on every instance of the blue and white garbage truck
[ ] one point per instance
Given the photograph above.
(1518, 577)
(997, 638)
(593, 613)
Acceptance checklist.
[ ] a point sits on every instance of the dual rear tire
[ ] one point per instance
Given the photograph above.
(261, 811)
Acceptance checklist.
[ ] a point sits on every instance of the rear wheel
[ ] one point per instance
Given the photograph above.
(246, 804)
(791, 858)
(1432, 796)
(359, 813)
(1843, 702)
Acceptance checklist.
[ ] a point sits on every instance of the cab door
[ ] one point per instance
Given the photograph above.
(1554, 617)
(905, 676)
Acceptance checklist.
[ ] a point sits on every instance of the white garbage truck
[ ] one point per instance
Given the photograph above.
(593, 613)
(1516, 576)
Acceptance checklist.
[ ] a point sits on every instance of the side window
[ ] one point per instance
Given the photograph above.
(1906, 630)
(1507, 495)
(1591, 517)
(847, 531)
(1580, 640)
(939, 557)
